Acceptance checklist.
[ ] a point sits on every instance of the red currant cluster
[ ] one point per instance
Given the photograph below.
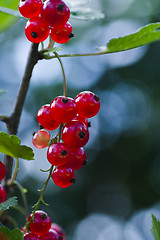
(46, 18)
(66, 151)
(41, 228)
(2, 175)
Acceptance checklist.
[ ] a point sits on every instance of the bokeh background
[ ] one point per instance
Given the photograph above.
(116, 193)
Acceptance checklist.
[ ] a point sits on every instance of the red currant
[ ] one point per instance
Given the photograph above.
(62, 33)
(41, 223)
(44, 118)
(88, 104)
(2, 194)
(63, 109)
(41, 139)
(31, 236)
(30, 8)
(59, 230)
(2, 171)
(75, 134)
(81, 119)
(55, 12)
(36, 31)
(77, 160)
(63, 177)
(51, 235)
(58, 154)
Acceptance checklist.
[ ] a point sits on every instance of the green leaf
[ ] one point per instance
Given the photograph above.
(155, 228)
(7, 234)
(10, 145)
(5, 19)
(8, 203)
(147, 34)
(86, 14)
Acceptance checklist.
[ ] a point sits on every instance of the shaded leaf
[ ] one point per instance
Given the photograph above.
(6, 234)
(155, 228)
(86, 14)
(8, 203)
(147, 34)
(10, 145)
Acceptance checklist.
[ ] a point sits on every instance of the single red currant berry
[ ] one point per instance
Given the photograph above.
(58, 154)
(41, 139)
(88, 104)
(51, 235)
(45, 119)
(77, 159)
(55, 12)
(63, 109)
(63, 177)
(40, 224)
(75, 134)
(81, 119)
(31, 236)
(30, 8)
(2, 171)
(2, 194)
(62, 33)
(36, 31)
(59, 230)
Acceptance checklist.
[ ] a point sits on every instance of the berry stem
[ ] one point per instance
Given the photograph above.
(51, 43)
(64, 77)
(40, 198)
(14, 176)
(18, 185)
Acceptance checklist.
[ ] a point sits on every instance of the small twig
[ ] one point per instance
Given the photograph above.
(15, 172)
(64, 77)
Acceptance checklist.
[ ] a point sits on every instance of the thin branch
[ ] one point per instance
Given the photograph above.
(13, 120)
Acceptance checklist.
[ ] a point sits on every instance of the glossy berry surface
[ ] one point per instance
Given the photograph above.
(75, 134)
(2, 194)
(77, 159)
(63, 176)
(51, 235)
(2, 171)
(41, 223)
(62, 33)
(30, 8)
(88, 104)
(45, 119)
(36, 31)
(58, 154)
(41, 139)
(55, 12)
(31, 236)
(81, 119)
(59, 230)
(63, 109)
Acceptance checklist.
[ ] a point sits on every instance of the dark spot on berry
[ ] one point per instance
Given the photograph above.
(85, 162)
(89, 124)
(60, 6)
(60, 237)
(34, 34)
(64, 152)
(65, 100)
(33, 134)
(71, 35)
(96, 98)
(23, 0)
(82, 135)
(43, 216)
(73, 180)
